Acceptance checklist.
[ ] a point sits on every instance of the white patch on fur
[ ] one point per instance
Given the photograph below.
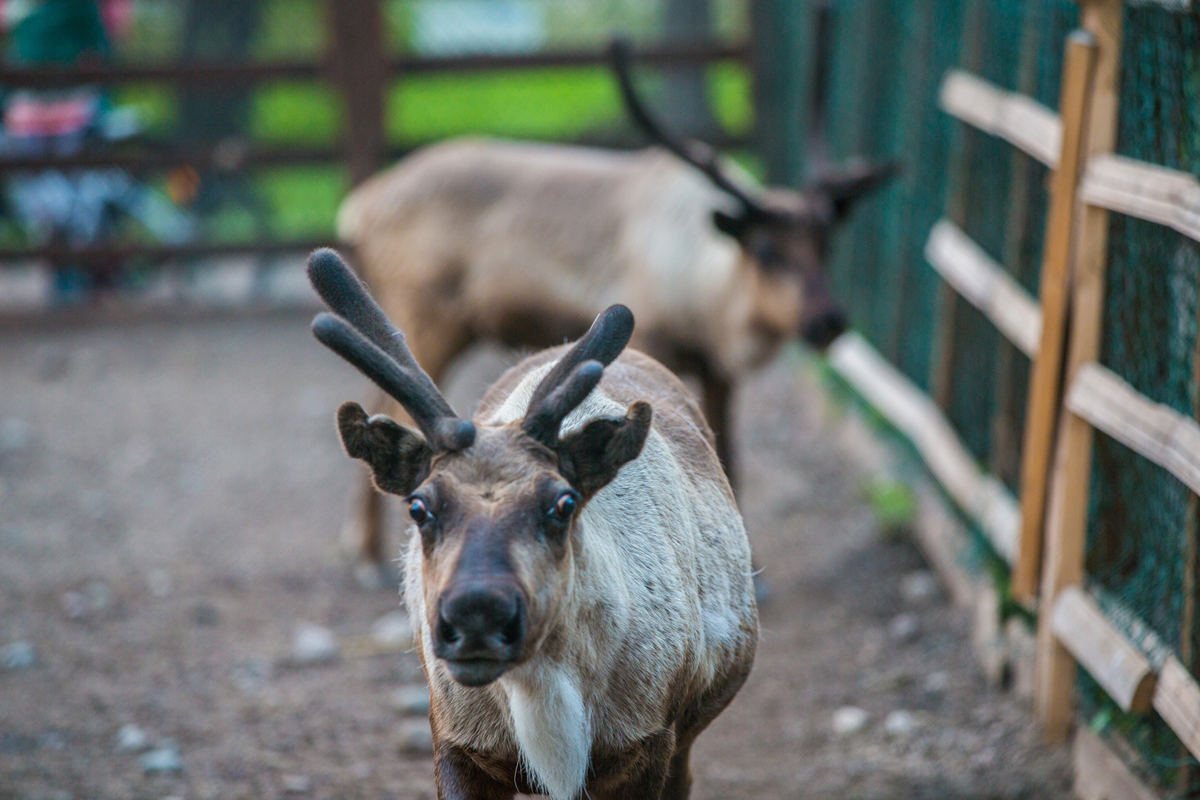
(552, 728)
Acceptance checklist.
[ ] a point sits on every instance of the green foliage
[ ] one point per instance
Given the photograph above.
(893, 504)
(537, 103)
(291, 29)
(730, 90)
(295, 113)
(303, 200)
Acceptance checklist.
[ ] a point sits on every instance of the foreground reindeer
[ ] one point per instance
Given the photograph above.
(578, 574)
(524, 243)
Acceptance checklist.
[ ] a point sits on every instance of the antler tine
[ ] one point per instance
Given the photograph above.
(343, 292)
(603, 342)
(443, 431)
(698, 154)
(577, 373)
(543, 422)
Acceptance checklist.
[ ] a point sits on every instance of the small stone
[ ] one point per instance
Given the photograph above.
(393, 631)
(369, 576)
(94, 503)
(984, 759)
(52, 363)
(191, 479)
(53, 740)
(76, 605)
(18, 655)
(158, 581)
(416, 738)
(412, 700)
(919, 587)
(162, 759)
(936, 682)
(904, 628)
(205, 614)
(99, 594)
(250, 675)
(312, 644)
(296, 784)
(899, 723)
(15, 436)
(848, 720)
(132, 739)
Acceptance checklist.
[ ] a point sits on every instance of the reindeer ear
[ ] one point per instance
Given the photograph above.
(854, 182)
(591, 457)
(730, 224)
(399, 458)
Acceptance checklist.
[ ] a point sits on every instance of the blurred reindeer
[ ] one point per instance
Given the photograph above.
(526, 243)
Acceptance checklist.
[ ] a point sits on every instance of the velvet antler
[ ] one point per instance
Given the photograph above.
(577, 373)
(364, 336)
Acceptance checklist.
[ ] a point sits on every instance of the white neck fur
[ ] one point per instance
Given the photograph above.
(552, 727)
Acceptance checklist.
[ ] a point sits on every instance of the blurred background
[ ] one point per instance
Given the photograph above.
(243, 124)
(176, 620)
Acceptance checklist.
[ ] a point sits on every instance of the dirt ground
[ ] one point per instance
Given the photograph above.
(170, 495)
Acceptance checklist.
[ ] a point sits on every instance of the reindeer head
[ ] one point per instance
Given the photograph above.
(496, 506)
(784, 234)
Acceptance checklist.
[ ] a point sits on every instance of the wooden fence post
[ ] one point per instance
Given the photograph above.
(359, 70)
(1044, 395)
(1066, 529)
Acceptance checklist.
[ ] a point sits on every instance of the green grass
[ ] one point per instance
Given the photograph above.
(541, 103)
(538, 103)
(303, 200)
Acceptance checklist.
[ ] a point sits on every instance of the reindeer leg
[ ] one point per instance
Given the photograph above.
(460, 778)
(648, 782)
(679, 778)
(717, 391)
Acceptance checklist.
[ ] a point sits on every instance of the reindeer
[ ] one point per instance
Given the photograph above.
(578, 573)
(524, 243)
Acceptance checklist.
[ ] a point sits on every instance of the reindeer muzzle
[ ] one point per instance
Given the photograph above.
(822, 329)
(480, 630)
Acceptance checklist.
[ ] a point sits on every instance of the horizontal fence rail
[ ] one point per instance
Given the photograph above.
(984, 284)
(148, 157)
(1027, 125)
(1157, 194)
(202, 73)
(983, 498)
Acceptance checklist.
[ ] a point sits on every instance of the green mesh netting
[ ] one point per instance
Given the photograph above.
(1142, 521)
(886, 105)
(890, 57)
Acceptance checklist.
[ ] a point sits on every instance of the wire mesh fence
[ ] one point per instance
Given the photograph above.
(1141, 548)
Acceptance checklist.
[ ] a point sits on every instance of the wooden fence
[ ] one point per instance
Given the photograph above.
(359, 70)
(1042, 533)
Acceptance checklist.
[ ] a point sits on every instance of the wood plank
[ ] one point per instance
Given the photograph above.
(1100, 774)
(1023, 123)
(1146, 191)
(985, 284)
(1041, 414)
(1177, 701)
(1119, 667)
(983, 498)
(1152, 429)
(1067, 521)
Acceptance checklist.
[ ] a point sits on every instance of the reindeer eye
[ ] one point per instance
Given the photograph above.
(564, 506)
(417, 510)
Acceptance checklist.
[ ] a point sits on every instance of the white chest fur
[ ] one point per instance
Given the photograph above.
(552, 727)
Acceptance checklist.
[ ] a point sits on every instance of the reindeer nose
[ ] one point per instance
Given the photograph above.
(480, 623)
(821, 330)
